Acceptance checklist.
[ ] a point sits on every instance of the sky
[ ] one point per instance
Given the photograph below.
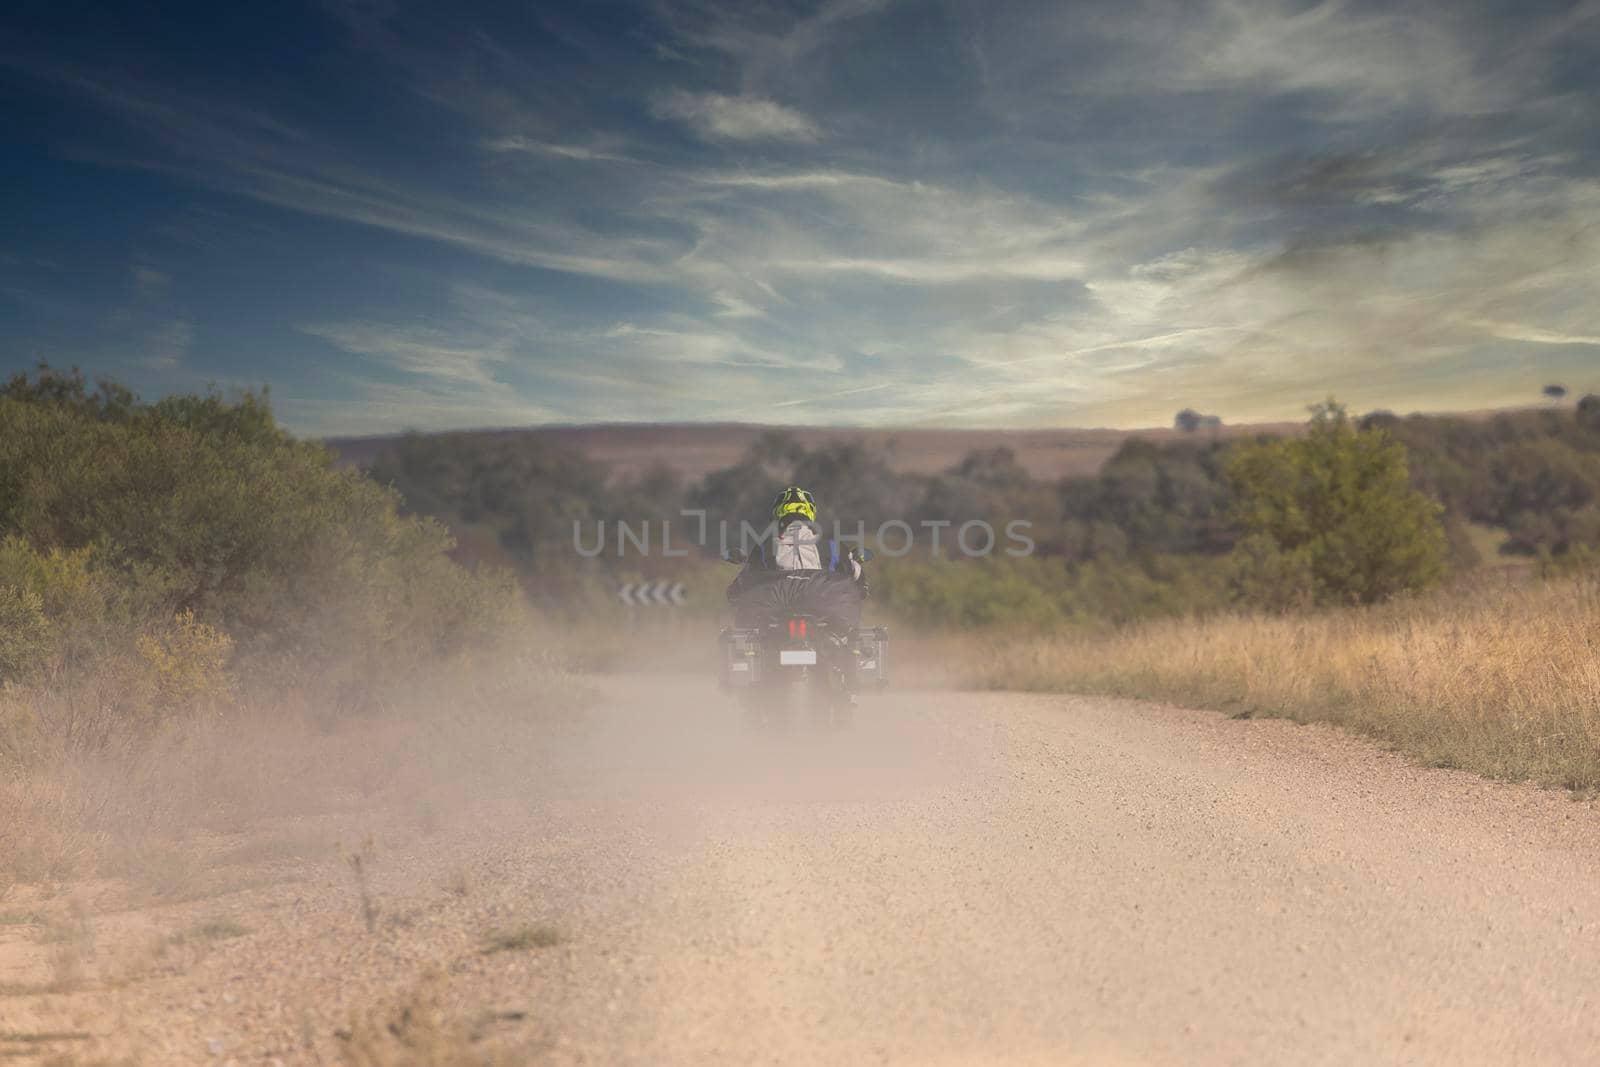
(987, 213)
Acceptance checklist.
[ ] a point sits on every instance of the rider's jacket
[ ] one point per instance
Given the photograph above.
(799, 546)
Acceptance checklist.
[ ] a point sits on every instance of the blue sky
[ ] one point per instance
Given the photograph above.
(855, 212)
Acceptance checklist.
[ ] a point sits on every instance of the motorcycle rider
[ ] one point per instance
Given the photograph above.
(834, 584)
(796, 546)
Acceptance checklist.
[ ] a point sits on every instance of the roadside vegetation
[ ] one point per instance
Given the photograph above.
(1339, 621)
(203, 622)
(222, 658)
(1157, 532)
(1499, 680)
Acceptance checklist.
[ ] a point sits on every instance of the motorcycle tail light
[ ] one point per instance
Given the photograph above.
(797, 627)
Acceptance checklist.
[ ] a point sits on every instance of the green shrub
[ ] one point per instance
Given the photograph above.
(151, 552)
(185, 668)
(1335, 511)
(969, 593)
(1040, 592)
(1268, 576)
(24, 633)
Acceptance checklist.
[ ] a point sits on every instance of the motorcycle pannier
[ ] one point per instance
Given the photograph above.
(871, 648)
(739, 661)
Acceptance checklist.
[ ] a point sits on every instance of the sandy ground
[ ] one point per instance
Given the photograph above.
(964, 878)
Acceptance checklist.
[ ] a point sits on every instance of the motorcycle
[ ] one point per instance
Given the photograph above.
(794, 661)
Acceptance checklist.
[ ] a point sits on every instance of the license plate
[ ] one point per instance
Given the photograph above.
(798, 657)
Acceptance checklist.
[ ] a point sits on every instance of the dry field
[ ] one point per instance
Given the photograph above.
(1498, 675)
(694, 449)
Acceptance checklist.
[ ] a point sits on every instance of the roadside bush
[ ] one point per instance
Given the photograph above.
(82, 610)
(1272, 578)
(24, 633)
(84, 664)
(185, 668)
(150, 554)
(970, 593)
(1334, 507)
(1041, 592)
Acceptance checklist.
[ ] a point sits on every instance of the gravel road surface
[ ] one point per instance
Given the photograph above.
(1000, 878)
(964, 878)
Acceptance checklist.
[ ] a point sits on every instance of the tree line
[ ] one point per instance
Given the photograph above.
(1162, 527)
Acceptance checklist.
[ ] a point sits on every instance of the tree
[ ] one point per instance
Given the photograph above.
(204, 507)
(1555, 392)
(1336, 507)
(1589, 412)
(1191, 421)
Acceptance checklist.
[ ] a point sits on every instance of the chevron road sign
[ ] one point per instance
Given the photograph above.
(643, 593)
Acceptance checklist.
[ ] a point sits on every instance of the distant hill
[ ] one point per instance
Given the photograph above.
(695, 448)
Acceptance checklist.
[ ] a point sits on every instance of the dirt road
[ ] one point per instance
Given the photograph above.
(966, 878)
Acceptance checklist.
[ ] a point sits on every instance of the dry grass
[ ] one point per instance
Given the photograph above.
(47, 831)
(65, 1059)
(1502, 680)
(165, 870)
(522, 938)
(360, 863)
(70, 935)
(27, 1045)
(458, 883)
(70, 939)
(208, 931)
(421, 1030)
(40, 1037)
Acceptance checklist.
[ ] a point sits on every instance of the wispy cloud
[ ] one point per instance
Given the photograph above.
(166, 347)
(1518, 331)
(243, 152)
(458, 372)
(736, 118)
(768, 51)
(426, 352)
(684, 343)
(529, 146)
(782, 181)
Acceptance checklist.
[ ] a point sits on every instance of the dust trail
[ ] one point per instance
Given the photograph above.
(673, 740)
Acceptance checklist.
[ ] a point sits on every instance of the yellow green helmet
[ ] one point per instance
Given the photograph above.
(794, 501)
